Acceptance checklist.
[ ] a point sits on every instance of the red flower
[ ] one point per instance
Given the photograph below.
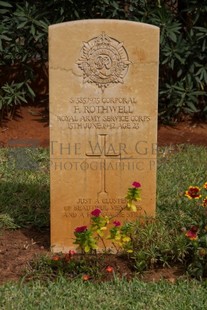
(96, 212)
(86, 277)
(72, 252)
(81, 229)
(117, 223)
(192, 233)
(205, 185)
(193, 192)
(194, 228)
(136, 184)
(109, 269)
(68, 256)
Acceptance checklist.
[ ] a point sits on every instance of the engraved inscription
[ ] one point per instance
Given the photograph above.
(104, 61)
(108, 113)
(110, 206)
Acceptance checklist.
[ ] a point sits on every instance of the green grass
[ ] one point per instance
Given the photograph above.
(176, 172)
(118, 294)
(24, 186)
(24, 200)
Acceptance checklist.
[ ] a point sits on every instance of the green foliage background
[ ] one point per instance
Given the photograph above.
(183, 60)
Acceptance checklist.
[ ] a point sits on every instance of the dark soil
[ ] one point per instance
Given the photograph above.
(19, 247)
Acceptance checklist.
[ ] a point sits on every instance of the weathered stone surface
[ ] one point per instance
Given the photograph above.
(103, 120)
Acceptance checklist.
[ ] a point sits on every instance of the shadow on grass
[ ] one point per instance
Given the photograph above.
(26, 203)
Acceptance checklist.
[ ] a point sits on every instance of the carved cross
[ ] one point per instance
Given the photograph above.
(101, 154)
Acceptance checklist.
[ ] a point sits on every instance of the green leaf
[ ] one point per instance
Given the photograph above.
(192, 107)
(76, 14)
(87, 249)
(22, 99)
(179, 73)
(172, 36)
(115, 5)
(5, 37)
(19, 85)
(30, 90)
(22, 25)
(44, 25)
(3, 11)
(32, 30)
(5, 4)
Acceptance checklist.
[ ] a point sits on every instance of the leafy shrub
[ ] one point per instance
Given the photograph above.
(196, 233)
(156, 244)
(183, 68)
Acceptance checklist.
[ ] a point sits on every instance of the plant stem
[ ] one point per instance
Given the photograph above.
(117, 214)
(102, 240)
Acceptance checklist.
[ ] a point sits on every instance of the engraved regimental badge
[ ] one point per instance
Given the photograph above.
(104, 61)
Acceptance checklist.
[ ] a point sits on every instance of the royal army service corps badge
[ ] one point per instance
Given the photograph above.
(104, 61)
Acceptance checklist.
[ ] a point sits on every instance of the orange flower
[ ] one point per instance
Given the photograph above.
(193, 192)
(109, 269)
(205, 185)
(86, 277)
(56, 258)
(204, 204)
(202, 252)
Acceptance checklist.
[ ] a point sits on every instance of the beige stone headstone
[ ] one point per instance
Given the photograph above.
(103, 120)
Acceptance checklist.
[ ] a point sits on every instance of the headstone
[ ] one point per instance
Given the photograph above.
(103, 121)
